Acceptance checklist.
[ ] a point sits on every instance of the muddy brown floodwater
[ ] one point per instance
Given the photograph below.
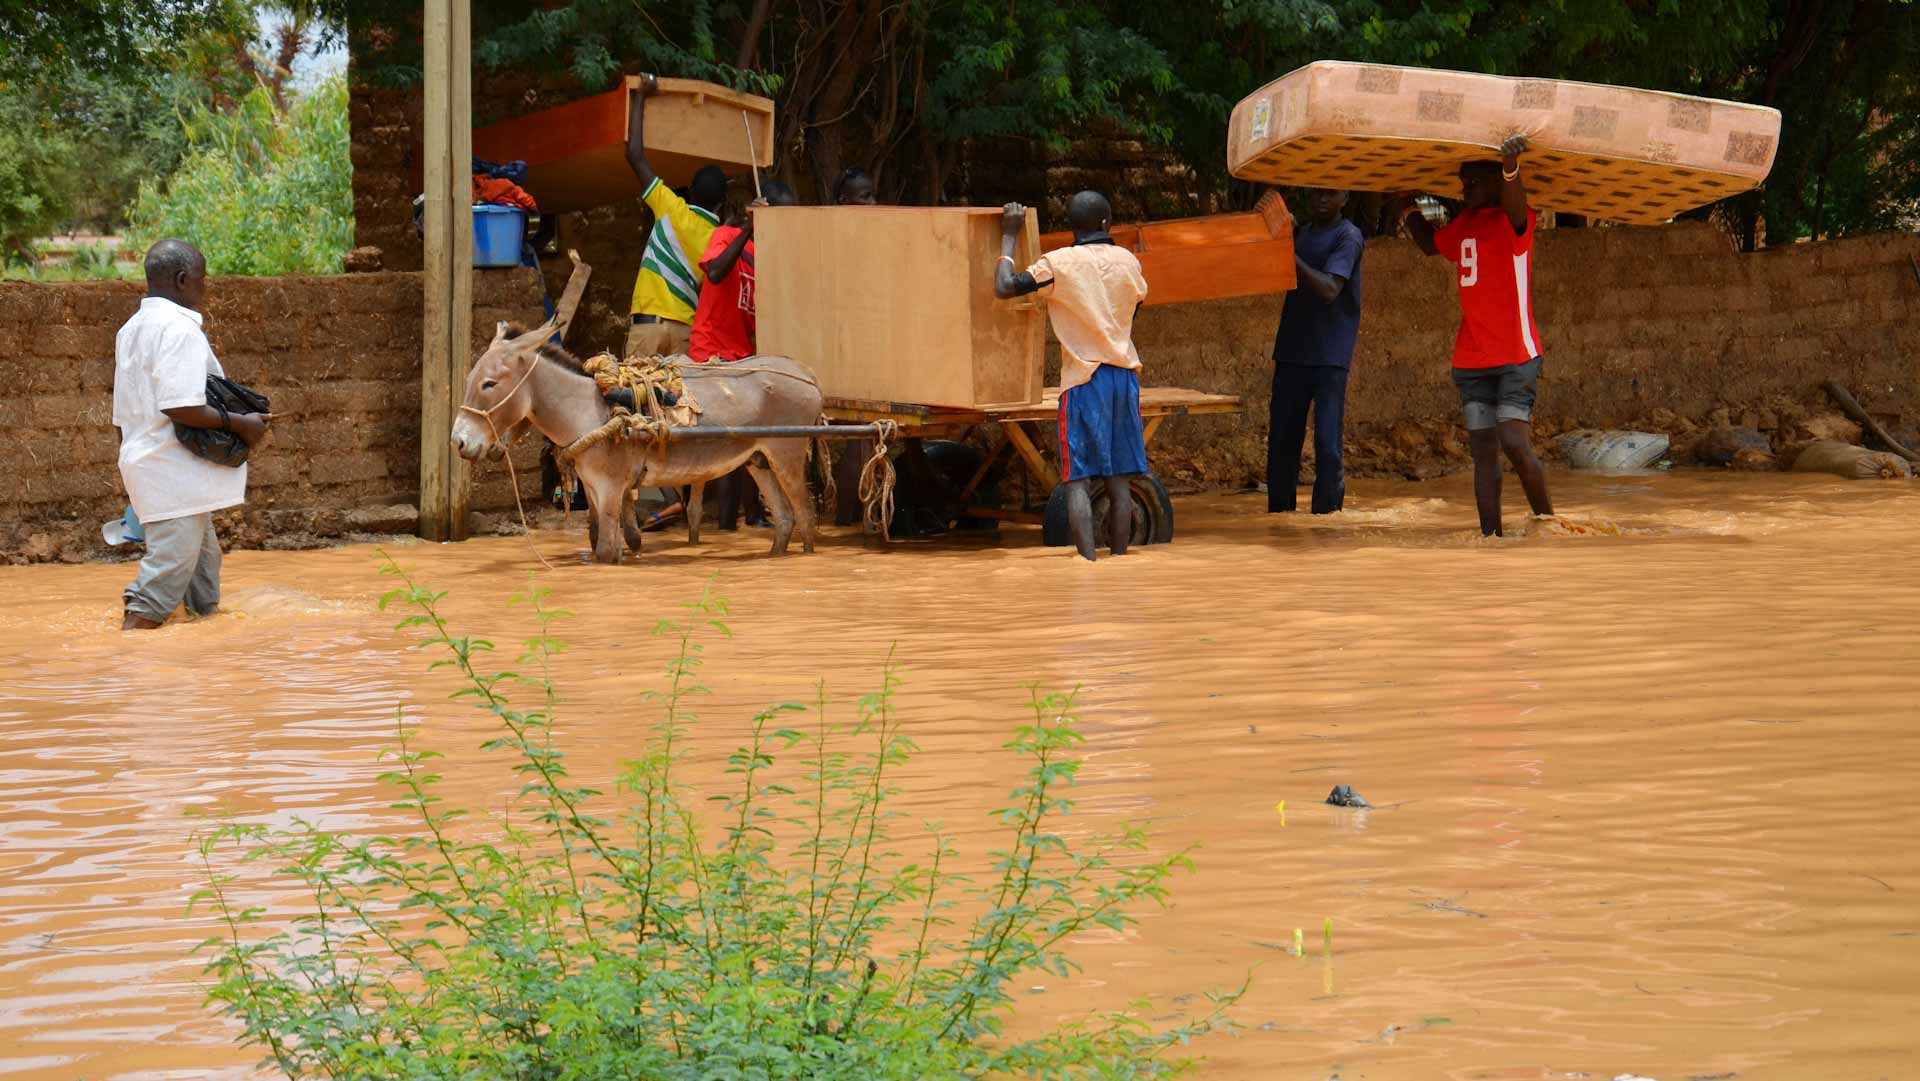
(1645, 781)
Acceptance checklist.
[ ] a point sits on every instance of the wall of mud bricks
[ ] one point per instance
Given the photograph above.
(339, 355)
(1663, 329)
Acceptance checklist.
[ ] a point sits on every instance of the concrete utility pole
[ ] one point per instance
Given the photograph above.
(447, 310)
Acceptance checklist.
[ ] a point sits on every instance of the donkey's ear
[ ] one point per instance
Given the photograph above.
(499, 331)
(532, 339)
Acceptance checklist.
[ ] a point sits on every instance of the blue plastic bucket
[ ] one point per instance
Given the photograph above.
(497, 232)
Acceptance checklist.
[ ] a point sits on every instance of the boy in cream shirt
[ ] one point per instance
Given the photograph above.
(1093, 289)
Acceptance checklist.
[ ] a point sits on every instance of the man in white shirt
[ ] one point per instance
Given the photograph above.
(161, 363)
(1094, 288)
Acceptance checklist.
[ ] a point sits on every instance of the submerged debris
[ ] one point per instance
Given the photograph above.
(1343, 795)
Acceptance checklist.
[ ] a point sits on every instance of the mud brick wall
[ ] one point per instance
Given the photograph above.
(1662, 328)
(339, 355)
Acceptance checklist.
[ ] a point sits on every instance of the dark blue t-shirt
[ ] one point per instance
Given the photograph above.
(1313, 333)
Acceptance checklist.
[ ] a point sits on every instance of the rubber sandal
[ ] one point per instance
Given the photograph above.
(660, 520)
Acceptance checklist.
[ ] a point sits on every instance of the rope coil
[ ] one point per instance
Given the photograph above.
(876, 484)
(829, 485)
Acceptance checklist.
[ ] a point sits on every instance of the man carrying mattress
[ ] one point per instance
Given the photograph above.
(1496, 355)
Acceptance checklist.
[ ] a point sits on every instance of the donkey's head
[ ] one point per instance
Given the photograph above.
(498, 401)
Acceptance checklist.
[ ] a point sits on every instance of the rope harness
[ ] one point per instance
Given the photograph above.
(650, 380)
(513, 476)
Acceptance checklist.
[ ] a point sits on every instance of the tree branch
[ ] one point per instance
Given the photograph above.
(750, 37)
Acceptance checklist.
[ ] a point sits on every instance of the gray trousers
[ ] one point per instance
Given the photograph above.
(182, 563)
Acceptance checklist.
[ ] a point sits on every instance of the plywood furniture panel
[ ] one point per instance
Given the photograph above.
(1611, 152)
(576, 154)
(896, 303)
(1221, 255)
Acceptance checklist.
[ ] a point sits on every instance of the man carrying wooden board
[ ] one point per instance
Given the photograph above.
(1496, 355)
(1094, 288)
(666, 292)
(667, 289)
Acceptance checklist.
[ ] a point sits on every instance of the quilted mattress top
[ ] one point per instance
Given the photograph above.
(1611, 152)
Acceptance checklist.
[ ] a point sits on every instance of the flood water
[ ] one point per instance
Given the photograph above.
(1644, 780)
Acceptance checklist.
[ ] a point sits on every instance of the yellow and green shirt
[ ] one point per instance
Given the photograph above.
(670, 277)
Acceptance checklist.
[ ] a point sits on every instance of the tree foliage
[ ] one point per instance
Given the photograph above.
(98, 35)
(34, 157)
(899, 87)
(86, 122)
(263, 189)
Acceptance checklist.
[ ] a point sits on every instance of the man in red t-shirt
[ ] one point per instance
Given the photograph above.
(724, 326)
(1496, 356)
(723, 323)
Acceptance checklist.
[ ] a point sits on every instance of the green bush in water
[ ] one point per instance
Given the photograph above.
(261, 191)
(577, 940)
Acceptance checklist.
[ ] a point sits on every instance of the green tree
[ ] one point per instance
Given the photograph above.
(99, 35)
(35, 174)
(903, 87)
(264, 190)
(120, 130)
(82, 129)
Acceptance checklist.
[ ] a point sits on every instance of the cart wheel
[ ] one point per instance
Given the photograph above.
(1152, 513)
(923, 510)
(956, 463)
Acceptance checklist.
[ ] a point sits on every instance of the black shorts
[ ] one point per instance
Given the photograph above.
(1491, 395)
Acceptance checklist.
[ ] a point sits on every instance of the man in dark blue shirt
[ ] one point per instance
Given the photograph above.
(1311, 354)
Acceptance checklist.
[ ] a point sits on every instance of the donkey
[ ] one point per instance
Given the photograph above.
(523, 380)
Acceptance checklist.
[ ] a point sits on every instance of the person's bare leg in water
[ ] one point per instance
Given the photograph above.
(1516, 439)
(1511, 437)
(1119, 514)
(1485, 443)
(1080, 518)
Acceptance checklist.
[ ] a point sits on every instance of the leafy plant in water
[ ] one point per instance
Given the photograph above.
(781, 936)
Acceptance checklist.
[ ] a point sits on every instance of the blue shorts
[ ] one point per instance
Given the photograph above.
(1101, 434)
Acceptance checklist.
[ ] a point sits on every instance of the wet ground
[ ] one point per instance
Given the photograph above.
(1644, 777)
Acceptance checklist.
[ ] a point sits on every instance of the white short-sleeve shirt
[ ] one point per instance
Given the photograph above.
(161, 360)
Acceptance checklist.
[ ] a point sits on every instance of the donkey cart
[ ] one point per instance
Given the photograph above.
(946, 483)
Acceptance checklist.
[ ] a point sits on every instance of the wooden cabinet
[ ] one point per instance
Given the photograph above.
(576, 154)
(896, 304)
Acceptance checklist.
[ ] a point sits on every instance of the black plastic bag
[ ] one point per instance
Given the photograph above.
(217, 445)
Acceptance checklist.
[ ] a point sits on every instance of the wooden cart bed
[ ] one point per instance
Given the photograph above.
(1029, 427)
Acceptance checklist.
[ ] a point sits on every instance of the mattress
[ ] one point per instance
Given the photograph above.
(1610, 152)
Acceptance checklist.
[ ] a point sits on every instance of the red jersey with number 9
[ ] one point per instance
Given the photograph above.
(1496, 301)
